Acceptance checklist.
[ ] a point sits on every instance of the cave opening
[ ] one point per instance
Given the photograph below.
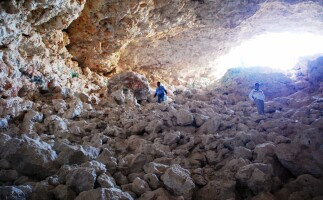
(277, 51)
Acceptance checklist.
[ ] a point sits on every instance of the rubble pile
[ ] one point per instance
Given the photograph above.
(199, 144)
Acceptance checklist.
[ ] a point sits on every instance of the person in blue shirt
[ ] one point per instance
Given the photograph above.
(161, 92)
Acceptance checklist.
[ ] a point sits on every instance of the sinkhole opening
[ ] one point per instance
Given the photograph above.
(277, 51)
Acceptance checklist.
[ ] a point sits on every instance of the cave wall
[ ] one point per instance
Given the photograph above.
(32, 44)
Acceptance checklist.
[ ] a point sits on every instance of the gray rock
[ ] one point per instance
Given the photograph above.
(184, 117)
(11, 193)
(152, 180)
(178, 180)
(257, 177)
(30, 157)
(8, 175)
(106, 181)
(81, 179)
(216, 190)
(140, 186)
(3, 123)
(77, 154)
(104, 194)
(63, 192)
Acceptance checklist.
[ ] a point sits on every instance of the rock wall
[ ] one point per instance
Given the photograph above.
(33, 52)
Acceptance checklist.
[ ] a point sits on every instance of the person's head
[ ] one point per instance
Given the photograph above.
(257, 86)
(158, 84)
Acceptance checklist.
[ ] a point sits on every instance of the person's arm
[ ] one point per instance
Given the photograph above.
(166, 91)
(251, 96)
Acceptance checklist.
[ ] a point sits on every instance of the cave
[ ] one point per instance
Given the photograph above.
(80, 117)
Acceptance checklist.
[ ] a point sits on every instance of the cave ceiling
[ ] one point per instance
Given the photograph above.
(179, 38)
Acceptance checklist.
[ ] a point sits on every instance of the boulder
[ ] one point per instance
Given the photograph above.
(184, 117)
(3, 123)
(75, 110)
(76, 154)
(178, 180)
(152, 180)
(63, 192)
(257, 177)
(217, 190)
(30, 157)
(106, 181)
(140, 186)
(159, 194)
(104, 194)
(155, 168)
(11, 193)
(304, 154)
(210, 126)
(81, 179)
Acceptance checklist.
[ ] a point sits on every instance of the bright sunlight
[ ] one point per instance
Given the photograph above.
(275, 50)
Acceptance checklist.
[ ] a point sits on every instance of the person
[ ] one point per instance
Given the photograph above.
(160, 92)
(258, 96)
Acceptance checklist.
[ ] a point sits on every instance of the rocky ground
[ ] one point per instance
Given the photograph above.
(200, 144)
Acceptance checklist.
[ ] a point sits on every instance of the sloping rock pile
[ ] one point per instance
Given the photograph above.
(195, 146)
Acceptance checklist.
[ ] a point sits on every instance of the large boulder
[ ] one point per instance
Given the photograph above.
(69, 154)
(210, 126)
(130, 82)
(304, 155)
(184, 117)
(81, 179)
(257, 177)
(30, 157)
(178, 180)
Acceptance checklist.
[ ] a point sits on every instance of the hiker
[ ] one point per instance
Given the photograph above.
(258, 97)
(160, 92)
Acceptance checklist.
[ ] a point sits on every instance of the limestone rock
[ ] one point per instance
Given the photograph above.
(12, 193)
(184, 117)
(303, 155)
(216, 190)
(3, 123)
(257, 177)
(160, 193)
(64, 192)
(30, 157)
(152, 180)
(178, 180)
(104, 193)
(77, 154)
(106, 181)
(81, 179)
(140, 186)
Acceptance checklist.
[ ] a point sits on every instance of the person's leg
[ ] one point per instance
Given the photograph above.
(160, 98)
(262, 106)
(257, 102)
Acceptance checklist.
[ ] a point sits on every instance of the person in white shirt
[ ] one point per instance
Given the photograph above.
(258, 97)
